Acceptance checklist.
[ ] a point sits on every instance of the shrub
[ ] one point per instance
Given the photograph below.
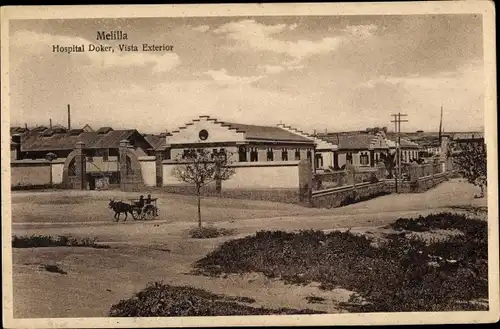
(54, 269)
(402, 274)
(445, 221)
(158, 299)
(37, 241)
(209, 232)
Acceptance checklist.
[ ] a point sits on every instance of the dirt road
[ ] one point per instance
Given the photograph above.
(160, 250)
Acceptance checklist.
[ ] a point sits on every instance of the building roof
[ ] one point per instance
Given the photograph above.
(66, 141)
(156, 141)
(408, 144)
(351, 141)
(255, 132)
(17, 130)
(266, 132)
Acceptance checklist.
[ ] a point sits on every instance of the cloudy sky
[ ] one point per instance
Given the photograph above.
(336, 73)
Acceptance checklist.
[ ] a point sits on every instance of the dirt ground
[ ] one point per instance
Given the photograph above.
(160, 250)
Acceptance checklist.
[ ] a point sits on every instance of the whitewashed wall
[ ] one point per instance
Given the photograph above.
(276, 174)
(148, 170)
(57, 171)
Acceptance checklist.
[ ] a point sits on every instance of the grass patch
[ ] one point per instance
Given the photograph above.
(401, 274)
(159, 299)
(38, 241)
(210, 232)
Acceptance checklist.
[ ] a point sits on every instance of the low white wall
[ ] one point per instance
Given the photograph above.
(276, 174)
(148, 169)
(57, 172)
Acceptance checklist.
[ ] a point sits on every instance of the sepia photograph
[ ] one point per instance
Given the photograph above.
(230, 165)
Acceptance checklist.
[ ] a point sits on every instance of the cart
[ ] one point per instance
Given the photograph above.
(149, 212)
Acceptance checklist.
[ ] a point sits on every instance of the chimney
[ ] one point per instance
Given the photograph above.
(26, 126)
(50, 123)
(69, 118)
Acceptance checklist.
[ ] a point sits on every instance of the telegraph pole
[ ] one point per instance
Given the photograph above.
(397, 124)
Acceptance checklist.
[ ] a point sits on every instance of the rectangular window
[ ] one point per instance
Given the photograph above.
(270, 155)
(284, 155)
(254, 155)
(185, 154)
(348, 158)
(105, 155)
(242, 154)
(297, 154)
(363, 159)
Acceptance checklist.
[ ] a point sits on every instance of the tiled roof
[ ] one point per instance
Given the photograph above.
(255, 132)
(408, 144)
(352, 141)
(266, 132)
(35, 141)
(157, 142)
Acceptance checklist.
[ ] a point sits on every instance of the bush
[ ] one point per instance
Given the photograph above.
(445, 221)
(164, 300)
(402, 274)
(209, 232)
(37, 241)
(54, 269)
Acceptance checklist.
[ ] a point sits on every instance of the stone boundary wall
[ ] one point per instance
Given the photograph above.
(345, 195)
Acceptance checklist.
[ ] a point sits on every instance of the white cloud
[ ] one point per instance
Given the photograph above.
(251, 35)
(42, 43)
(222, 77)
(201, 28)
(273, 69)
(360, 31)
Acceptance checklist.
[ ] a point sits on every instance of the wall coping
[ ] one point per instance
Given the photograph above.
(37, 161)
(147, 158)
(244, 164)
(343, 188)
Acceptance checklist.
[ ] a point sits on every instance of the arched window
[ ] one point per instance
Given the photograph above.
(254, 155)
(348, 158)
(297, 154)
(364, 159)
(270, 154)
(284, 155)
(242, 154)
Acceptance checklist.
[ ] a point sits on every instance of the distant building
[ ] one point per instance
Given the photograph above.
(100, 148)
(357, 148)
(87, 129)
(324, 151)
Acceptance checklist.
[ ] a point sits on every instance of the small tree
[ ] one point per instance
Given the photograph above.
(200, 168)
(389, 160)
(470, 160)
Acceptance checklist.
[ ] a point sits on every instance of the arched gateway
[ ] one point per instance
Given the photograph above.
(125, 169)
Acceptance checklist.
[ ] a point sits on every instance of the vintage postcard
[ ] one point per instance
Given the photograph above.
(257, 164)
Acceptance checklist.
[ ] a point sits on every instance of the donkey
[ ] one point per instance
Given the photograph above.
(120, 207)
